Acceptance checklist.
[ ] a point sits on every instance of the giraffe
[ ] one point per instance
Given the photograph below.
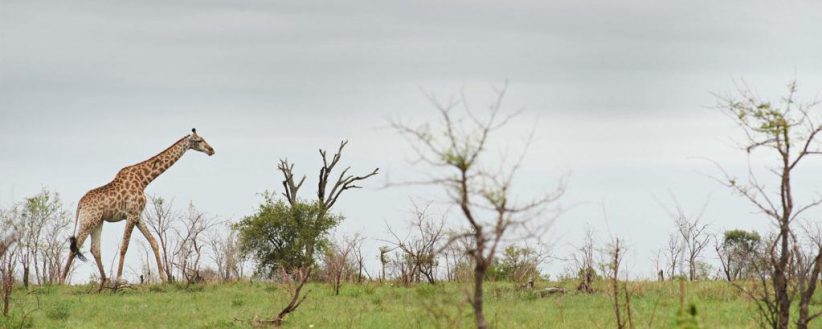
(124, 199)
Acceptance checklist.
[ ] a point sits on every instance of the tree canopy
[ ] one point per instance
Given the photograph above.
(741, 240)
(283, 236)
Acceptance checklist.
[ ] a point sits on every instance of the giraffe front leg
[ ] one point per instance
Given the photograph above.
(124, 246)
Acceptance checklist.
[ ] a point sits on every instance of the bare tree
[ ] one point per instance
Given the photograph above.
(673, 255)
(421, 245)
(359, 260)
(192, 240)
(326, 198)
(10, 225)
(613, 255)
(451, 256)
(7, 269)
(338, 259)
(457, 261)
(160, 216)
(6, 243)
(725, 260)
(225, 253)
(455, 151)
(52, 246)
(693, 235)
(402, 268)
(787, 130)
(385, 259)
(584, 263)
(807, 267)
(29, 236)
(42, 228)
(144, 272)
(218, 246)
(658, 265)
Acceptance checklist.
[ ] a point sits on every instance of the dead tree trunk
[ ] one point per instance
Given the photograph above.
(476, 300)
(325, 200)
(296, 298)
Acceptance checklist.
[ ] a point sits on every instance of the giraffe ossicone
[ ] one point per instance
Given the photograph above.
(124, 199)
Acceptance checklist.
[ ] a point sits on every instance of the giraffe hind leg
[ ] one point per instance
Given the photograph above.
(74, 252)
(95, 251)
(153, 243)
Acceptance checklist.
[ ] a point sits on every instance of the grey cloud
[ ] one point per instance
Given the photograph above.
(87, 87)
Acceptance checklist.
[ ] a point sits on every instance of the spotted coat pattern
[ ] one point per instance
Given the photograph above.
(124, 199)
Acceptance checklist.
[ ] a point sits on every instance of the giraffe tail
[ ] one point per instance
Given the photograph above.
(73, 239)
(73, 247)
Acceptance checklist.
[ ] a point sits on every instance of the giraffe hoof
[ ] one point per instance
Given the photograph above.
(102, 285)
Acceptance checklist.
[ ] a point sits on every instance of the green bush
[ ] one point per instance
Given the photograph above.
(369, 289)
(58, 311)
(377, 301)
(426, 291)
(283, 235)
(529, 295)
(354, 292)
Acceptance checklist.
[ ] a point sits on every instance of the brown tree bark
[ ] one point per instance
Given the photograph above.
(455, 151)
(789, 131)
(326, 199)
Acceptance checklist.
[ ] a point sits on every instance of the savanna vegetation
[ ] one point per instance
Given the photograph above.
(479, 265)
(371, 305)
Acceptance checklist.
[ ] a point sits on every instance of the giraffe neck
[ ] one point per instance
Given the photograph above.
(148, 170)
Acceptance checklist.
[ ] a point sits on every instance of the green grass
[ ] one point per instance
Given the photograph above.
(371, 306)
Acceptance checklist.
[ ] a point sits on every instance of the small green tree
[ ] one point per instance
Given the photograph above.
(737, 252)
(746, 241)
(282, 236)
(286, 236)
(517, 264)
(42, 237)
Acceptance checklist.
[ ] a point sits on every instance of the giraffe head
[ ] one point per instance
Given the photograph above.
(197, 143)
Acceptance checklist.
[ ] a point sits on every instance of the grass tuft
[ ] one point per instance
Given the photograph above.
(58, 311)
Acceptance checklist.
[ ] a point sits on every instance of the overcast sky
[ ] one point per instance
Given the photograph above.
(619, 92)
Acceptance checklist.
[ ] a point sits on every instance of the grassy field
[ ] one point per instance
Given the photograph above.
(371, 306)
